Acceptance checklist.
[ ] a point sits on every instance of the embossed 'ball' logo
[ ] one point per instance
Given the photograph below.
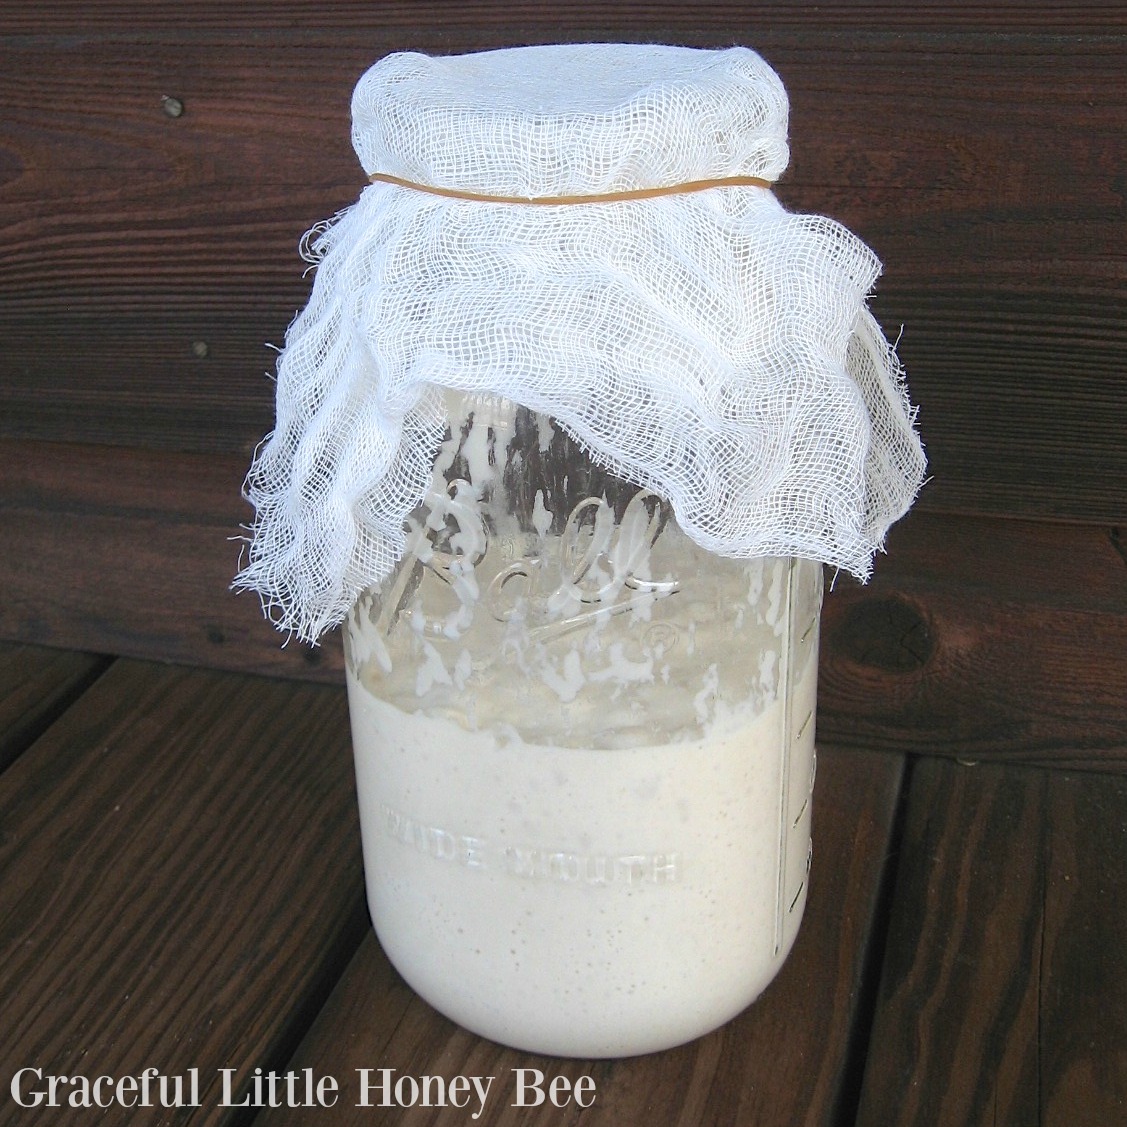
(597, 567)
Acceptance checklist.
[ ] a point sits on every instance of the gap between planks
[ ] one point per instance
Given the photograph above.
(37, 685)
(1003, 999)
(180, 869)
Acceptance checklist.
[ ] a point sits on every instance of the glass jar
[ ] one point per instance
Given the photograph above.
(584, 751)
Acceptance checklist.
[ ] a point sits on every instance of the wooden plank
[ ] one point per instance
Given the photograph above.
(63, 17)
(181, 878)
(1004, 995)
(983, 639)
(785, 1060)
(921, 123)
(1000, 435)
(977, 637)
(133, 552)
(36, 686)
(961, 142)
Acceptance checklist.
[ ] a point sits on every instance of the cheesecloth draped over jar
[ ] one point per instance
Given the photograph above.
(702, 342)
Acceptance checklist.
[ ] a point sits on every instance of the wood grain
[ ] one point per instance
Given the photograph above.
(36, 686)
(63, 17)
(149, 259)
(180, 868)
(133, 552)
(1004, 992)
(785, 1060)
(983, 639)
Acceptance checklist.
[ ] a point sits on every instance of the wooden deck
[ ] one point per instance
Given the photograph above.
(182, 889)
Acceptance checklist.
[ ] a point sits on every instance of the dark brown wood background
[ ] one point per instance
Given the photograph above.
(149, 260)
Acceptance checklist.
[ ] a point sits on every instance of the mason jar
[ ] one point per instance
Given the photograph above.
(584, 750)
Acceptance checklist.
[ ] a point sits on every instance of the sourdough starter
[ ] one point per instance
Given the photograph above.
(586, 902)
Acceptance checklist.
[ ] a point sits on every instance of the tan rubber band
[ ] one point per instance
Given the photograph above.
(556, 201)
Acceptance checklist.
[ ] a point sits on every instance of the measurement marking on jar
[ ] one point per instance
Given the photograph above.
(802, 730)
(794, 902)
(532, 863)
(798, 816)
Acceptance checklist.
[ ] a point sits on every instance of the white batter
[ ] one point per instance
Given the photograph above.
(585, 902)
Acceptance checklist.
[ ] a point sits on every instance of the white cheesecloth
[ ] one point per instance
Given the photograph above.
(707, 345)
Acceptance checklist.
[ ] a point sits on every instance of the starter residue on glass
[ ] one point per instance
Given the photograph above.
(584, 754)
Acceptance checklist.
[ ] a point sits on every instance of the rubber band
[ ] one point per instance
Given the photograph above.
(559, 201)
